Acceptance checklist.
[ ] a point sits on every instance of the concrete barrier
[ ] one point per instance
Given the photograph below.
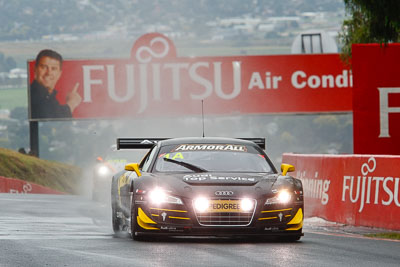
(16, 186)
(360, 190)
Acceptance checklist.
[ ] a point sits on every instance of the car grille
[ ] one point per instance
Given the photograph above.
(225, 218)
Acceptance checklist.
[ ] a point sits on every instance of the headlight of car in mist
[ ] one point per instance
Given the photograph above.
(282, 197)
(159, 196)
(103, 171)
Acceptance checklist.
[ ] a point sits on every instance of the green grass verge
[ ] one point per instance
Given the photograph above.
(13, 97)
(388, 235)
(55, 175)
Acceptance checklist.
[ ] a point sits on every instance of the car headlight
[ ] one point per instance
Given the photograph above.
(246, 204)
(282, 197)
(103, 171)
(159, 196)
(201, 204)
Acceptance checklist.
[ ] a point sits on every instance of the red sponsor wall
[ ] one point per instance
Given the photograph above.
(376, 99)
(16, 186)
(360, 190)
(155, 82)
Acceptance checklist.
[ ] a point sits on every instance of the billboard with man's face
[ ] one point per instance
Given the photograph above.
(155, 82)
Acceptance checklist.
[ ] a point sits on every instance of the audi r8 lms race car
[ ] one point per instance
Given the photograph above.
(205, 186)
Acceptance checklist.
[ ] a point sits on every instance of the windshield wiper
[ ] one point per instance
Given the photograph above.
(187, 165)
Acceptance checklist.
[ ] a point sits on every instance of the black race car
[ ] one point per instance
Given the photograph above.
(205, 186)
(104, 168)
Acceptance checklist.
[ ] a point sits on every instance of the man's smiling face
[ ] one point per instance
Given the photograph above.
(47, 72)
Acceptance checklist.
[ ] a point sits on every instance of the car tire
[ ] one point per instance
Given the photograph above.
(293, 238)
(116, 222)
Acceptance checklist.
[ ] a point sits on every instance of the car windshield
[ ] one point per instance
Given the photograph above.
(211, 158)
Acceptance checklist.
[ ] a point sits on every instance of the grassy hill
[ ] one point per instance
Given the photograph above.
(14, 97)
(51, 174)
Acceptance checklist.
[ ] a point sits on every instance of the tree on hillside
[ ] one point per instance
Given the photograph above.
(371, 21)
(6, 63)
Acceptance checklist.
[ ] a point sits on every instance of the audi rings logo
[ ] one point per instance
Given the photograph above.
(223, 193)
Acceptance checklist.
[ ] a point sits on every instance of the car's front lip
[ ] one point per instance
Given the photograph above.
(220, 232)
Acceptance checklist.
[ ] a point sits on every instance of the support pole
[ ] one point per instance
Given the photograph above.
(34, 137)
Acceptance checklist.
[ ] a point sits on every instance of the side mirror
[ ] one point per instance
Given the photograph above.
(133, 167)
(285, 168)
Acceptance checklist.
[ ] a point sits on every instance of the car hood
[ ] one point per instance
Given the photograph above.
(222, 178)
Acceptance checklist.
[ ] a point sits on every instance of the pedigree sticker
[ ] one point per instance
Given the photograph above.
(154, 81)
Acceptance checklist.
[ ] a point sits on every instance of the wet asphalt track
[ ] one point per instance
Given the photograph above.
(53, 230)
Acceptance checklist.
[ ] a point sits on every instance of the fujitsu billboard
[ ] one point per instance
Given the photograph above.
(154, 81)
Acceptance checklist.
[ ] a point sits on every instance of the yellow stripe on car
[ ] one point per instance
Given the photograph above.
(265, 211)
(122, 181)
(143, 220)
(268, 218)
(179, 218)
(297, 221)
(298, 218)
(144, 225)
(144, 217)
(168, 210)
(295, 227)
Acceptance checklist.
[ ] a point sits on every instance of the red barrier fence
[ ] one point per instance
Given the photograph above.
(16, 186)
(360, 190)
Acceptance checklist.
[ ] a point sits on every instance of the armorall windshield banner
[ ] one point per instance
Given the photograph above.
(376, 99)
(154, 81)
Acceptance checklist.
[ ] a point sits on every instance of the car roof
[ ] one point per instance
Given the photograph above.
(205, 140)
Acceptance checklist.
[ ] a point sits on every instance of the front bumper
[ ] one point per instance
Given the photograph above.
(175, 220)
